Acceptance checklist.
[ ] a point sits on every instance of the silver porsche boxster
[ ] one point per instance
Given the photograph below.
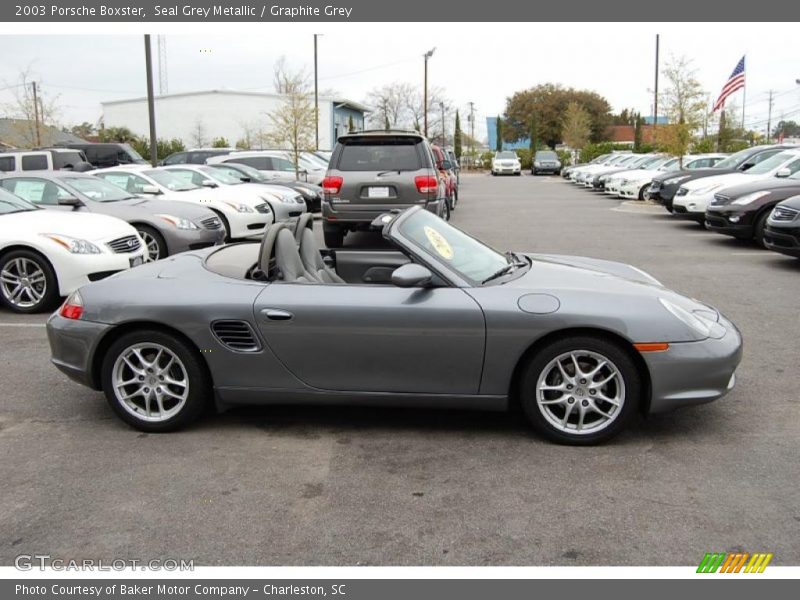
(436, 319)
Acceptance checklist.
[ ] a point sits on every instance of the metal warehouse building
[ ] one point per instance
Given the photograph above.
(197, 118)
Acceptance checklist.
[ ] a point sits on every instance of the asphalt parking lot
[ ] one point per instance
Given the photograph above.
(343, 486)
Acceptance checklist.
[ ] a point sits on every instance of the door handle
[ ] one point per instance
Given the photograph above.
(274, 314)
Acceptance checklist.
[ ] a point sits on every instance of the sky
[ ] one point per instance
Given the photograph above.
(482, 63)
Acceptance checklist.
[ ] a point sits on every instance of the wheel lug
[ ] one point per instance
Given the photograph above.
(569, 386)
(592, 392)
(146, 390)
(570, 399)
(141, 377)
(585, 403)
(161, 378)
(583, 381)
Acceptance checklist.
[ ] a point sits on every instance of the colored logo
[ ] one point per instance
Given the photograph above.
(735, 562)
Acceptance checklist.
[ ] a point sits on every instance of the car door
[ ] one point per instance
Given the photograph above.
(375, 338)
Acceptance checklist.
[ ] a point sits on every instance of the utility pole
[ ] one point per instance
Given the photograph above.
(444, 136)
(769, 117)
(316, 96)
(426, 56)
(655, 92)
(151, 107)
(471, 132)
(36, 115)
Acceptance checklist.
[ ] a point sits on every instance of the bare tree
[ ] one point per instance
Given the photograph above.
(390, 104)
(293, 123)
(684, 103)
(577, 127)
(198, 135)
(27, 112)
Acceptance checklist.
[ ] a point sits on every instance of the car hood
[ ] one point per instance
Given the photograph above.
(167, 206)
(691, 174)
(561, 270)
(726, 180)
(776, 184)
(793, 202)
(81, 225)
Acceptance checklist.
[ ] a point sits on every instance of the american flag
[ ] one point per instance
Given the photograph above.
(735, 82)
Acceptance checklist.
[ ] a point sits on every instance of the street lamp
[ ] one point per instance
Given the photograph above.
(426, 56)
(444, 136)
(316, 96)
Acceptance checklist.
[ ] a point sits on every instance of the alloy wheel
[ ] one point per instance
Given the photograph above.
(151, 243)
(580, 392)
(23, 282)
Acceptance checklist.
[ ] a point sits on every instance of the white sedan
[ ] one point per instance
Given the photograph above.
(47, 254)
(693, 197)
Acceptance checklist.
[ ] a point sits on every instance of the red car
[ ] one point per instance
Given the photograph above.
(448, 173)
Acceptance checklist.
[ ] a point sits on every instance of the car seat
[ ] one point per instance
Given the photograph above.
(309, 251)
(279, 243)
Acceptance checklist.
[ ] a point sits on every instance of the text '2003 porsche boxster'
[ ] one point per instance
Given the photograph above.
(438, 319)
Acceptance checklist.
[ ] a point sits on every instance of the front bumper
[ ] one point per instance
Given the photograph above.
(285, 210)
(691, 206)
(75, 270)
(785, 240)
(719, 222)
(631, 190)
(181, 240)
(506, 170)
(72, 347)
(691, 373)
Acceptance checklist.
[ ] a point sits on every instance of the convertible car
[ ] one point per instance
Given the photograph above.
(438, 319)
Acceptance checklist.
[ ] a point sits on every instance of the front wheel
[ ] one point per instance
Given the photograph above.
(153, 241)
(155, 381)
(28, 283)
(581, 390)
(759, 227)
(334, 235)
(445, 214)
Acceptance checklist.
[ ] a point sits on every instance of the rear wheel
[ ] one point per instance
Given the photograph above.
(28, 283)
(155, 381)
(581, 390)
(758, 228)
(445, 213)
(153, 241)
(333, 234)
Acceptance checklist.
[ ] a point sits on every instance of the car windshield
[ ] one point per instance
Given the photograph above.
(392, 154)
(544, 155)
(506, 155)
(771, 163)
(221, 176)
(452, 247)
(9, 203)
(97, 189)
(734, 160)
(655, 162)
(170, 181)
(132, 153)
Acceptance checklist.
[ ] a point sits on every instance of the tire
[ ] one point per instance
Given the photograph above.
(334, 236)
(154, 242)
(758, 228)
(185, 365)
(534, 172)
(494, 174)
(643, 192)
(445, 210)
(455, 200)
(225, 224)
(625, 385)
(28, 283)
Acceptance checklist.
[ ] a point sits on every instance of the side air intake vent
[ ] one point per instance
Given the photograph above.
(236, 335)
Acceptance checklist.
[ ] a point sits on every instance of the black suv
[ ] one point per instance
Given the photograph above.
(373, 172)
(194, 157)
(103, 155)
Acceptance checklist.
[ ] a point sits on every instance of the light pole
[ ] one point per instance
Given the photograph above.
(444, 136)
(316, 96)
(151, 108)
(426, 56)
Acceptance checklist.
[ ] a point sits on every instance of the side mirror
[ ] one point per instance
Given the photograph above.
(246, 179)
(70, 201)
(785, 172)
(209, 184)
(150, 189)
(411, 275)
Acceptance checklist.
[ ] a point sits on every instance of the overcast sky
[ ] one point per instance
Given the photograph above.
(482, 63)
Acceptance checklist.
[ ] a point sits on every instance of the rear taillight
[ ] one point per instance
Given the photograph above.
(72, 307)
(332, 184)
(426, 184)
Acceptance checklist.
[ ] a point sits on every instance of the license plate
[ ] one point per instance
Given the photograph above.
(135, 262)
(379, 192)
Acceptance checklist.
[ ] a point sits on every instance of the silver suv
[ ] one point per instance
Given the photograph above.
(373, 172)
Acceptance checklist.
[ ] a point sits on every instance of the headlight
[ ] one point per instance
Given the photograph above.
(705, 190)
(748, 198)
(624, 182)
(536, 163)
(242, 208)
(179, 222)
(673, 180)
(281, 198)
(698, 321)
(73, 245)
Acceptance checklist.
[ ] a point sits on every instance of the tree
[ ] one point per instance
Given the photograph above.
(83, 130)
(293, 124)
(198, 135)
(499, 142)
(390, 104)
(351, 126)
(684, 104)
(122, 135)
(457, 149)
(637, 132)
(786, 129)
(534, 135)
(548, 103)
(23, 108)
(577, 128)
(386, 124)
(220, 142)
(730, 135)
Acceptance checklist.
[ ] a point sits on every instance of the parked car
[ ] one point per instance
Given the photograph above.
(283, 203)
(622, 159)
(506, 163)
(46, 255)
(373, 172)
(782, 233)
(693, 197)
(609, 179)
(238, 217)
(664, 187)
(195, 156)
(742, 211)
(166, 227)
(108, 154)
(52, 159)
(310, 193)
(545, 161)
(273, 164)
(446, 171)
(636, 184)
(566, 171)
(454, 163)
(582, 344)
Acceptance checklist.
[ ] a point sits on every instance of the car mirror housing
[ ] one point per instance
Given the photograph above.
(785, 172)
(209, 184)
(150, 189)
(412, 275)
(70, 201)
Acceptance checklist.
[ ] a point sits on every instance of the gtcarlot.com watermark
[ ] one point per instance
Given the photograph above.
(42, 562)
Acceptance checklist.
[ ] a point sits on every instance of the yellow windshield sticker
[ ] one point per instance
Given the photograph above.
(442, 247)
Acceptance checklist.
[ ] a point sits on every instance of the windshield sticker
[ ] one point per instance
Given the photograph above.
(439, 244)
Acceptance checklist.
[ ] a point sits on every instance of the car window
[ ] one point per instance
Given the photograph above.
(281, 164)
(67, 159)
(176, 159)
(127, 181)
(7, 163)
(764, 166)
(380, 157)
(171, 180)
(34, 162)
(38, 191)
(262, 163)
(794, 167)
(97, 189)
(188, 176)
(9, 203)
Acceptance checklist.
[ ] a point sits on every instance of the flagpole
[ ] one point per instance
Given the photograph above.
(744, 90)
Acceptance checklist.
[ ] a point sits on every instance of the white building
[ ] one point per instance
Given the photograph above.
(197, 118)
